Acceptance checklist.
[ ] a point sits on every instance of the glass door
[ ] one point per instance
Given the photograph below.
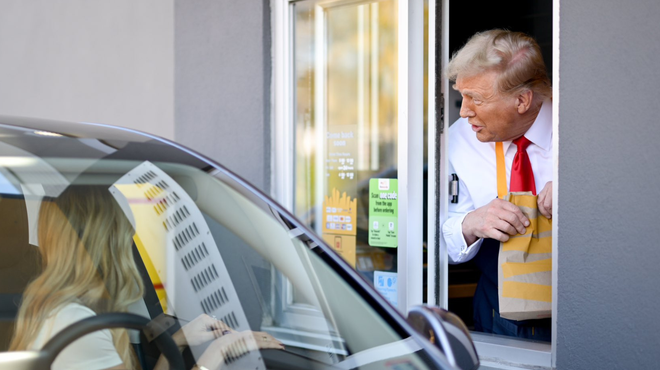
(357, 116)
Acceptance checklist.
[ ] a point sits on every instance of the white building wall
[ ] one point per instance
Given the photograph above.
(93, 61)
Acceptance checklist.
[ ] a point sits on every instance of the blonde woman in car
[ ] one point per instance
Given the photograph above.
(88, 268)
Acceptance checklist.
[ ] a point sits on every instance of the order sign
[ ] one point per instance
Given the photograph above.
(383, 213)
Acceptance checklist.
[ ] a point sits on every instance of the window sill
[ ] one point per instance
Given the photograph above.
(497, 352)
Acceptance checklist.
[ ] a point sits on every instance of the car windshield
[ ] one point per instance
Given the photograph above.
(203, 244)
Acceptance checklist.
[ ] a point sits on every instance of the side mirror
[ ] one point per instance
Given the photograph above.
(446, 331)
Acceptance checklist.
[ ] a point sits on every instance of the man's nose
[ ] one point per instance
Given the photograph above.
(466, 111)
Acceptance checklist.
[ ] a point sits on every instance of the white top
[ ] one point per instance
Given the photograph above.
(475, 164)
(93, 351)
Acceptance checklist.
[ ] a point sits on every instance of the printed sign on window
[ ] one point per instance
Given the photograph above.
(386, 284)
(383, 213)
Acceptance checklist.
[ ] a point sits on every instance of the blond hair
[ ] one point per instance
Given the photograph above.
(86, 245)
(514, 55)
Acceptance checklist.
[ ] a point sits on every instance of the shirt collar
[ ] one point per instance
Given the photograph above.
(540, 133)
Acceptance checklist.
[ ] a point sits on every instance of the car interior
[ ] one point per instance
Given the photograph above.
(20, 262)
(267, 276)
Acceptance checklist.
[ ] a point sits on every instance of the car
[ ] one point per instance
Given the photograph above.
(206, 244)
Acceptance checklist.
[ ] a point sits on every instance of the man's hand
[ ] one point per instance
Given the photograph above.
(545, 200)
(498, 220)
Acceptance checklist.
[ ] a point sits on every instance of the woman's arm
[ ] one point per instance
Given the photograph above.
(226, 342)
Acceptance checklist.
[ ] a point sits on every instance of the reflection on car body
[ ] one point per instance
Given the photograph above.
(207, 243)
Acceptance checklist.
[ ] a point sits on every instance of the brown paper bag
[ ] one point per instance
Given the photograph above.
(525, 265)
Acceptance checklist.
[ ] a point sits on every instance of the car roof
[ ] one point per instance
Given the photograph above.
(42, 138)
(74, 129)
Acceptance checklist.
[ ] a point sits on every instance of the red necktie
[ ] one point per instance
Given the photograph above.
(522, 176)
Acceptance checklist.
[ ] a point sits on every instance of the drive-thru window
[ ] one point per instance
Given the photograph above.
(361, 106)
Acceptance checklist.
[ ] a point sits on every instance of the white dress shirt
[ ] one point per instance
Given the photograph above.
(475, 164)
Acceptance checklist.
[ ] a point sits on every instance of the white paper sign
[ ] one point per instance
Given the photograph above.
(386, 285)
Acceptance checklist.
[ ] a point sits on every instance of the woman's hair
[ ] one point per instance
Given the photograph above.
(514, 55)
(86, 245)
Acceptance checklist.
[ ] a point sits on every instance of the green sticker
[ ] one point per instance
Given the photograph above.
(383, 213)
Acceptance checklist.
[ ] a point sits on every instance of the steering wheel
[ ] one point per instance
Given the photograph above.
(164, 341)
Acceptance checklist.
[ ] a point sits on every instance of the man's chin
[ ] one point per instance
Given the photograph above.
(483, 138)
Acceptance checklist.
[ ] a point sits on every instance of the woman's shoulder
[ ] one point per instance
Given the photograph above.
(93, 351)
(59, 319)
(74, 309)
(68, 314)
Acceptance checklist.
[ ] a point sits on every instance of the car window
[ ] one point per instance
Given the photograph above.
(205, 245)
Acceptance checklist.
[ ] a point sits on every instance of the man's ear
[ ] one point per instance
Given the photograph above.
(524, 101)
